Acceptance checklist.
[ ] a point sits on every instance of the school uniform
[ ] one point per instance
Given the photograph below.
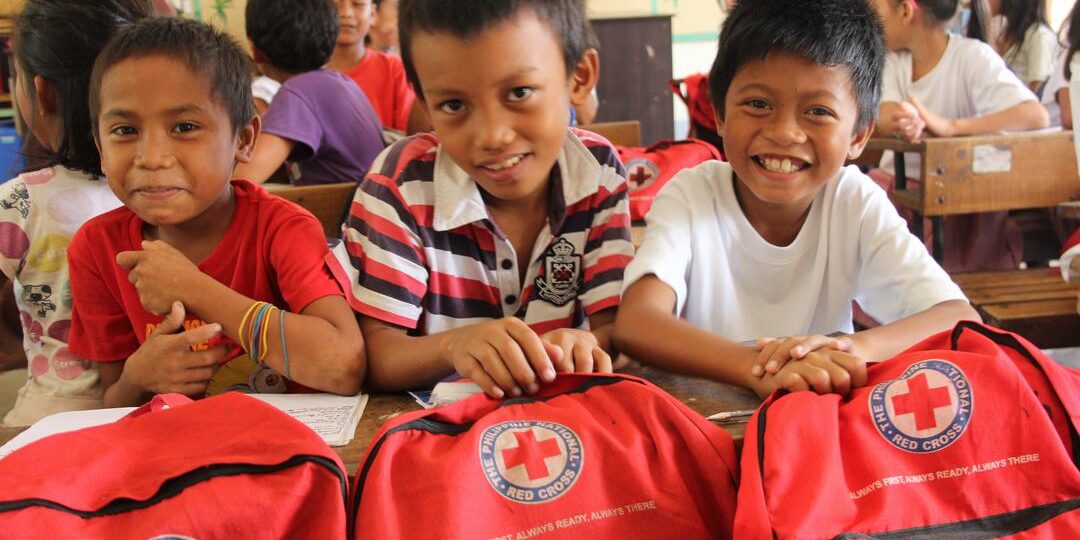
(426, 254)
(971, 79)
(730, 281)
(1033, 58)
(382, 78)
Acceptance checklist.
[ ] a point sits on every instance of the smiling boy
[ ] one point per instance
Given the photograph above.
(781, 239)
(495, 246)
(158, 283)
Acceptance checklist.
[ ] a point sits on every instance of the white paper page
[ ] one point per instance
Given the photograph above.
(333, 417)
(61, 423)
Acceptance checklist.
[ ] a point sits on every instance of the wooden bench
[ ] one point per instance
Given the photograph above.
(328, 202)
(1036, 304)
(626, 133)
(986, 173)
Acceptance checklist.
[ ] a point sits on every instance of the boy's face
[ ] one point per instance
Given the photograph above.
(788, 128)
(354, 20)
(500, 102)
(167, 145)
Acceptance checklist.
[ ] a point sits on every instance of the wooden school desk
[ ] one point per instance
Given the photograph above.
(986, 173)
(1035, 303)
(704, 396)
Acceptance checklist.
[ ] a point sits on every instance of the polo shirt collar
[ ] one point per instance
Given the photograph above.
(457, 196)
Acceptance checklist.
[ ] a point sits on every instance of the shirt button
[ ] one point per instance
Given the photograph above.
(507, 264)
(510, 299)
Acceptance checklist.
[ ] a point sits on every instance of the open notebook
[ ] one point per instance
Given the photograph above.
(333, 417)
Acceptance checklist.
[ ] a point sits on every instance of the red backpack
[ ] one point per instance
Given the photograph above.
(228, 466)
(589, 456)
(969, 434)
(649, 169)
(694, 93)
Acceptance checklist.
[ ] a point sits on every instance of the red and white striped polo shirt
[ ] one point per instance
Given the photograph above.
(428, 256)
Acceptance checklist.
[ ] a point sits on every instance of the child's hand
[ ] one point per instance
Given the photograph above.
(579, 351)
(909, 123)
(773, 353)
(935, 125)
(503, 356)
(823, 371)
(160, 274)
(166, 363)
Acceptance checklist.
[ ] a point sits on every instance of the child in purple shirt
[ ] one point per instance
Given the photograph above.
(319, 123)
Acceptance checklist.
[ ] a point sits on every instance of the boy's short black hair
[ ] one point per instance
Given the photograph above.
(207, 51)
(827, 32)
(566, 18)
(295, 35)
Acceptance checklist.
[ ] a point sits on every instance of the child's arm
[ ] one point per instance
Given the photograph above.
(900, 120)
(325, 348)
(648, 330)
(584, 351)
(504, 356)
(270, 152)
(164, 363)
(1065, 104)
(1024, 116)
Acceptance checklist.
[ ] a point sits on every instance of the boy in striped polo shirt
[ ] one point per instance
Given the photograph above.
(496, 245)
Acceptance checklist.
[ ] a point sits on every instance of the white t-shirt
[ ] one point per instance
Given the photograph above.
(969, 80)
(39, 213)
(729, 281)
(1033, 59)
(1056, 82)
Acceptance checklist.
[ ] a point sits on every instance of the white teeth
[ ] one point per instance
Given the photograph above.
(779, 165)
(506, 164)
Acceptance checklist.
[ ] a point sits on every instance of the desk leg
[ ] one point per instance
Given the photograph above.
(917, 226)
(939, 238)
(899, 169)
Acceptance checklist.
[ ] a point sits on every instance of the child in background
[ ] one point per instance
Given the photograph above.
(56, 42)
(1023, 37)
(318, 121)
(494, 247)
(943, 85)
(384, 33)
(1056, 94)
(172, 112)
(780, 239)
(381, 76)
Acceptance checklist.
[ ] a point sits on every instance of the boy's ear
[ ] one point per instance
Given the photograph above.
(859, 140)
(257, 56)
(719, 122)
(585, 76)
(248, 135)
(45, 96)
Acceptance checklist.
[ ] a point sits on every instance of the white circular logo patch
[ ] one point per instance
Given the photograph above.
(924, 410)
(531, 462)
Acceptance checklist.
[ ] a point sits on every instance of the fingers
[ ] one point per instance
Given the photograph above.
(511, 356)
(602, 361)
(583, 358)
(854, 366)
(561, 359)
(758, 367)
(173, 322)
(814, 342)
(201, 334)
(128, 259)
(493, 364)
(534, 349)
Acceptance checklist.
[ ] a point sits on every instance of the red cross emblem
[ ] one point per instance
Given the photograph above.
(921, 401)
(531, 453)
(640, 176)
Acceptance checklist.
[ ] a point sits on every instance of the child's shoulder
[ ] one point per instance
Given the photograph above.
(408, 160)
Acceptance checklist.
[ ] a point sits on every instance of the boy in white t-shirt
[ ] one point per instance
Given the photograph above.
(780, 240)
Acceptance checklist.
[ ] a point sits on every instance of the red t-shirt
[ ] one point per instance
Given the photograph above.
(273, 251)
(382, 78)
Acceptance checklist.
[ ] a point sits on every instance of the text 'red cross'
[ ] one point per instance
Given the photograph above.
(640, 176)
(531, 453)
(921, 400)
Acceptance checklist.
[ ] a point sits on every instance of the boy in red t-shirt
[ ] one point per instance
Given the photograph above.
(381, 76)
(193, 260)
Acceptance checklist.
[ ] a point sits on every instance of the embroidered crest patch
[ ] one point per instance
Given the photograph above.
(562, 273)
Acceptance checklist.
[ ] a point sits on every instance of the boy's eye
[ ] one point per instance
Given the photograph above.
(123, 131)
(757, 103)
(185, 127)
(820, 111)
(452, 106)
(520, 93)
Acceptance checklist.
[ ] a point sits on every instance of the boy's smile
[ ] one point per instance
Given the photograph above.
(788, 128)
(499, 103)
(167, 145)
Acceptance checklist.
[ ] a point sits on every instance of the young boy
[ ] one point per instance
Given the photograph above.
(380, 75)
(495, 246)
(779, 241)
(318, 120)
(172, 114)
